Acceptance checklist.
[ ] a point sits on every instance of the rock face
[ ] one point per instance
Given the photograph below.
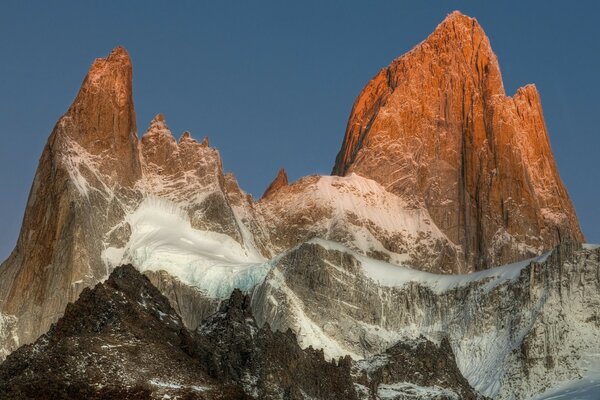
(94, 171)
(437, 128)
(515, 330)
(359, 213)
(280, 181)
(119, 340)
(267, 364)
(58, 252)
(392, 374)
(122, 339)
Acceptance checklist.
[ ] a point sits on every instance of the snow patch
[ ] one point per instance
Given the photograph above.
(386, 274)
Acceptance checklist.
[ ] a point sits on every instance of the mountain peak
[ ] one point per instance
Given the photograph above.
(158, 125)
(120, 52)
(459, 25)
(118, 56)
(280, 181)
(102, 116)
(437, 128)
(458, 17)
(112, 72)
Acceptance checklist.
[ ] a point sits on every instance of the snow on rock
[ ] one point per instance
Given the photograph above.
(361, 214)
(9, 340)
(586, 388)
(406, 390)
(386, 274)
(515, 330)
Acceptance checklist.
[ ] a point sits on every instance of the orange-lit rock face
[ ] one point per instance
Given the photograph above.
(280, 181)
(102, 117)
(93, 171)
(437, 128)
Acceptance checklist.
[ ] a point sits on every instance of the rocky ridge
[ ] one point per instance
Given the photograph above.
(280, 181)
(122, 339)
(516, 330)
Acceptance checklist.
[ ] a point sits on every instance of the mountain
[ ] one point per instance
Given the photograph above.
(437, 128)
(122, 339)
(441, 179)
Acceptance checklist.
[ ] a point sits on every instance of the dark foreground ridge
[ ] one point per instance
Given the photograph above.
(123, 340)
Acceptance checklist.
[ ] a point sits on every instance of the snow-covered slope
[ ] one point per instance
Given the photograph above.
(515, 330)
(359, 213)
(585, 388)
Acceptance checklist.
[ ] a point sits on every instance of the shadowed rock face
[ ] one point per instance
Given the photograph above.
(437, 128)
(122, 339)
(394, 372)
(512, 338)
(267, 364)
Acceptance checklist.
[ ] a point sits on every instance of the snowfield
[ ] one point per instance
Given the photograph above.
(162, 238)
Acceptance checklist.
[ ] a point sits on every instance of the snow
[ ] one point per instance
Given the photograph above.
(162, 238)
(8, 335)
(365, 211)
(390, 275)
(407, 390)
(370, 201)
(587, 388)
(171, 385)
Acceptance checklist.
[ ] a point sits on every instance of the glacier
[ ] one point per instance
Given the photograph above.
(162, 238)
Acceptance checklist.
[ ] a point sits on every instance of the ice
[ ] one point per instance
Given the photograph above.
(391, 275)
(162, 238)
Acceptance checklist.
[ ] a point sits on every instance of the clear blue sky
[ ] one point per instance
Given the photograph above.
(272, 82)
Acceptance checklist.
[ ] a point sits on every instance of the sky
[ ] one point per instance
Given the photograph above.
(271, 83)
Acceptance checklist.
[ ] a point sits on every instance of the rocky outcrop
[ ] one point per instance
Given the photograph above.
(515, 330)
(187, 173)
(414, 369)
(280, 181)
(267, 364)
(360, 214)
(437, 128)
(119, 340)
(123, 339)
